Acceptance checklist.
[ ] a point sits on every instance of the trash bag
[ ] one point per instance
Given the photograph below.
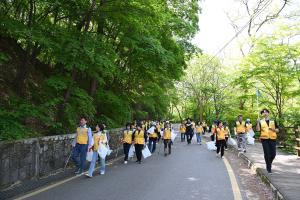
(146, 152)
(211, 145)
(131, 151)
(89, 156)
(173, 136)
(103, 151)
(251, 133)
(250, 140)
(231, 142)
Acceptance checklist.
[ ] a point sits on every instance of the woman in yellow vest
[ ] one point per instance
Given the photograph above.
(213, 130)
(153, 135)
(100, 139)
(199, 132)
(268, 134)
(227, 134)
(127, 141)
(82, 143)
(167, 139)
(221, 132)
(182, 131)
(140, 138)
(240, 132)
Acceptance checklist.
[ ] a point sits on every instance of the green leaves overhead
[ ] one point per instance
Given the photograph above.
(111, 60)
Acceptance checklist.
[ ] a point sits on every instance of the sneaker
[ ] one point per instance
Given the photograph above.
(79, 174)
(245, 151)
(102, 173)
(77, 171)
(226, 149)
(125, 162)
(222, 157)
(87, 175)
(239, 149)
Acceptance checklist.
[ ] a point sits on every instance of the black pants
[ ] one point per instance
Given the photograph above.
(182, 137)
(152, 144)
(126, 148)
(167, 144)
(269, 147)
(189, 137)
(138, 151)
(212, 137)
(220, 146)
(226, 140)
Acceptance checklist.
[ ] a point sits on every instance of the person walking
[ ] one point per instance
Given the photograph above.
(268, 134)
(182, 132)
(220, 130)
(127, 141)
(100, 141)
(82, 143)
(240, 132)
(140, 138)
(167, 139)
(199, 132)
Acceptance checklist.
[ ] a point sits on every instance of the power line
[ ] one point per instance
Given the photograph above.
(240, 31)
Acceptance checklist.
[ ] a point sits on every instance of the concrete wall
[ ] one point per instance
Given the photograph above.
(37, 157)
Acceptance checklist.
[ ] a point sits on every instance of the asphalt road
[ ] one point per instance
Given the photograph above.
(190, 172)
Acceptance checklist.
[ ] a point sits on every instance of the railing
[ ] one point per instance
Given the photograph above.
(297, 147)
(291, 140)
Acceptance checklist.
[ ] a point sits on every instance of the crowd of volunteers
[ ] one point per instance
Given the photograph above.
(142, 137)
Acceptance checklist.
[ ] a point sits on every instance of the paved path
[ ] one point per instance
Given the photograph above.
(191, 172)
(286, 170)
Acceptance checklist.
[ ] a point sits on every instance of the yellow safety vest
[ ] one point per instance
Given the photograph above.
(139, 137)
(221, 132)
(82, 135)
(265, 133)
(240, 127)
(213, 129)
(96, 141)
(127, 137)
(167, 134)
(199, 129)
(182, 129)
(226, 132)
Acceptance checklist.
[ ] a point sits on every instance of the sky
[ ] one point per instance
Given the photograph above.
(216, 31)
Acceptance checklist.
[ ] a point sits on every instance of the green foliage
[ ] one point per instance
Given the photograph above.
(113, 61)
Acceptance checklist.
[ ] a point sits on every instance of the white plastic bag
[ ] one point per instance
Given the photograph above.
(151, 130)
(103, 151)
(131, 151)
(89, 156)
(250, 140)
(231, 142)
(211, 145)
(109, 151)
(251, 133)
(146, 152)
(173, 136)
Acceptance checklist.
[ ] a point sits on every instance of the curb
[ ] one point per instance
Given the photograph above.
(260, 172)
